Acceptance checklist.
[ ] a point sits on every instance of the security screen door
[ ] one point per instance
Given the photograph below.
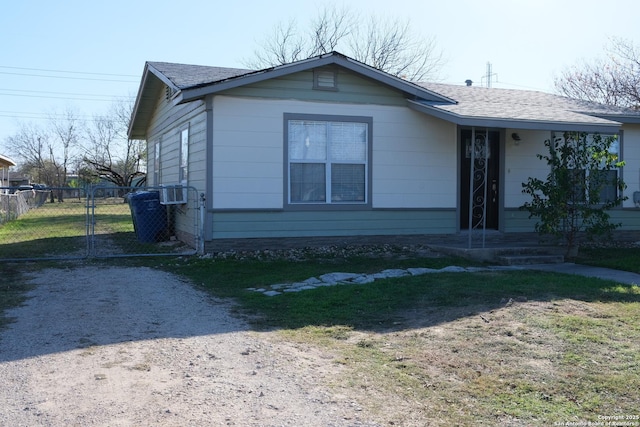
(479, 197)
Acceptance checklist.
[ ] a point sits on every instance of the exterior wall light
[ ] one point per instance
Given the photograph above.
(516, 138)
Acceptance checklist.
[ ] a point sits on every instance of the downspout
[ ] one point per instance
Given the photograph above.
(202, 206)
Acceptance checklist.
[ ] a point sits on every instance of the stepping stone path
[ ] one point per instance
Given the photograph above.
(334, 279)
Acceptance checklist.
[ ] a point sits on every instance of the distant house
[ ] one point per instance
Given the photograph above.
(5, 164)
(330, 147)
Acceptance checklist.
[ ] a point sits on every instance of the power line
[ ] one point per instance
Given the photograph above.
(63, 93)
(68, 77)
(59, 97)
(68, 72)
(46, 115)
(35, 117)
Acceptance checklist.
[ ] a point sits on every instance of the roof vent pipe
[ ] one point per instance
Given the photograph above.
(468, 82)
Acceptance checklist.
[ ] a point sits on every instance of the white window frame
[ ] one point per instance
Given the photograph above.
(609, 188)
(157, 162)
(183, 171)
(329, 202)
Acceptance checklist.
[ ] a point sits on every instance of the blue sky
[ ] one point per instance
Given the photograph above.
(103, 44)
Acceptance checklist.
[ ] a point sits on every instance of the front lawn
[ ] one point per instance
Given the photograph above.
(617, 258)
(486, 348)
(489, 348)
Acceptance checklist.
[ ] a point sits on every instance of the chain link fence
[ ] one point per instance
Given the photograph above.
(17, 201)
(99, 222)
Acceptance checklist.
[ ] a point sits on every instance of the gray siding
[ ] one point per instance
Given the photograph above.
(630, 218)
(198, 151)
(165, 126)
(517, 221)
(351, 89)
(237, 225)
(168, 116)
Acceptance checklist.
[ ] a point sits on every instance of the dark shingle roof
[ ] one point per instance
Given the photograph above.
(184, 76)
(464, 105)
(524, 105)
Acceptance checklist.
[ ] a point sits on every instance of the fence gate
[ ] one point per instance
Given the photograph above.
(99, 222)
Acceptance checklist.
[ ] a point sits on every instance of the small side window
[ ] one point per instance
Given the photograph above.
(156, 163)
(184, 156)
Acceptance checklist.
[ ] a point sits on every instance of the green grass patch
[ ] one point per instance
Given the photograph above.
(516, 347)
(49, 220)
(52, 229)
(490, 348)
(625, 259)
(59, 230)
(377, 304)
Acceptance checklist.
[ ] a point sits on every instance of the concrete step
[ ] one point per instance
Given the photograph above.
(528, 259)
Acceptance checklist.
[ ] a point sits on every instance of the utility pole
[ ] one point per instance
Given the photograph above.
(489, 75)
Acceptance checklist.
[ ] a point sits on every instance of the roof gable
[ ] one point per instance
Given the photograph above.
(192, 82)
(351, 88)
(208, 87)
(463, 105)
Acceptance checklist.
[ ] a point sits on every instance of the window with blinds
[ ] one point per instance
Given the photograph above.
(327, 162)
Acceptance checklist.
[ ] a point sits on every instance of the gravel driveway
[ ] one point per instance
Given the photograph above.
(116, 346)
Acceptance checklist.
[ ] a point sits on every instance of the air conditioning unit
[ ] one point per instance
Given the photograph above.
(173, 195)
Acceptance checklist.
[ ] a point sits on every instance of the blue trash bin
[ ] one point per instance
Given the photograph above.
(149, 216)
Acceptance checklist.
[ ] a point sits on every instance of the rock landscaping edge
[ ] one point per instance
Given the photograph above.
(339, 278)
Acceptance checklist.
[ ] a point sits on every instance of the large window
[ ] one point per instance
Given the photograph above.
(328, 160)
(596, 186)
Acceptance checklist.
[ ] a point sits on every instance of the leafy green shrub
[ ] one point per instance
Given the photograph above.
(582, 185)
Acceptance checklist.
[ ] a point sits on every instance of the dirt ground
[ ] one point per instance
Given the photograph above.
(115, 346)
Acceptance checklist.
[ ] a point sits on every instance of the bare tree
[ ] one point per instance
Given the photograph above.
(286, 44)
(329, 28)
(65, 133)
(282, 46)
(389, 45)
(29, 144)
(110, 154)
(614, 80)
(97, 150)
(46, 152)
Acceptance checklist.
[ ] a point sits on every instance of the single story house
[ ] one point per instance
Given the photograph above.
(5, 165)
(331, 147)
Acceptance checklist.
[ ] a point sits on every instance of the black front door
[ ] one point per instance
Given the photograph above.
(480, 194)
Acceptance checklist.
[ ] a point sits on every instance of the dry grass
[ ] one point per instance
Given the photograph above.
(513, 349)
(525, 363)
(517, 348)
